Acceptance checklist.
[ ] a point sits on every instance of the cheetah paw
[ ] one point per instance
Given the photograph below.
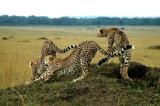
(98, 66)
(75, 80)
(27, 82)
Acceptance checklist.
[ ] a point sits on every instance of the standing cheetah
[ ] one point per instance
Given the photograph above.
(79, 59)
(117, 40)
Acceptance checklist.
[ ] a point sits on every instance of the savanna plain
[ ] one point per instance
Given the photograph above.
(20, 45)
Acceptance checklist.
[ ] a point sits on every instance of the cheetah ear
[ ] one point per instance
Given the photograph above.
(101, 31)
(114, 29)
(32, 63)
(120, 32)
(51, 58)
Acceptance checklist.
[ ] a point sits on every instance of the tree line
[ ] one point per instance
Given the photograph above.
(42, 20)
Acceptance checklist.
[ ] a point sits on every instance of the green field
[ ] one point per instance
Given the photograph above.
(23, 44)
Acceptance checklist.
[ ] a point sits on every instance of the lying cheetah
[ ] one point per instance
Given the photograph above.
(48, 48)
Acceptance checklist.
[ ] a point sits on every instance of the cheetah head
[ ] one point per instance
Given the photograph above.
(33, 65)
(37, 67)
(104, 32)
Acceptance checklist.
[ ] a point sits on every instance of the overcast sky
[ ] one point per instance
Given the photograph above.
(59, 8)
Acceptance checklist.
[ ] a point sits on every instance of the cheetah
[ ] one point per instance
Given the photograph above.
(48, 48)
(117, 40)
(79, 59)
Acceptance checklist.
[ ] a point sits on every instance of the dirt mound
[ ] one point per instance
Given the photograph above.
(100, 88)
(155, 47)
(136, 70)
(140, 73)
(4, 38)
(42, 38)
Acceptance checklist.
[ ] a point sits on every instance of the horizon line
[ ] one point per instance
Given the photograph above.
(84, 16)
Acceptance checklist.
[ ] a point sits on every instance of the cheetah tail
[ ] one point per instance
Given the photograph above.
(65, 49)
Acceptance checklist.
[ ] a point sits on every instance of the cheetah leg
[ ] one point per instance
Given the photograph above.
(84, 66)
(108, 56)
(34, 76)
(116, 50)
(45, 76)
(124, 64)
(84, 74)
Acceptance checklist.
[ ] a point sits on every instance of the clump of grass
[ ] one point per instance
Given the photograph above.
(11, 37)
(155, 47)
(4, 38)
(152, 77)
(90, 28)
(24, 41)
(122, 28)
(42, 38)
(57, 38)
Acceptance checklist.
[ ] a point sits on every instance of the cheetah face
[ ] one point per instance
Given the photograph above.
(37, 68)
(101, 33)
(105, 32)
(33, 65)
(48, 59)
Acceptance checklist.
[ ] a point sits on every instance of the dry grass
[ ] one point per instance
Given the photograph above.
(15, 55)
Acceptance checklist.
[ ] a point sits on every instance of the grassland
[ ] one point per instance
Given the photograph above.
(23, 45)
